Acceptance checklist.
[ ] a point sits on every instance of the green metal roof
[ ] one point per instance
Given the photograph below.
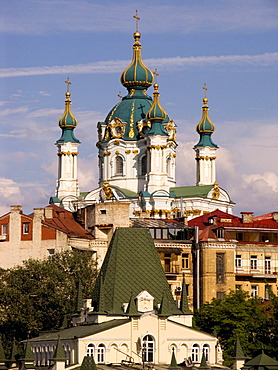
(127, 193)
(199, 191)
(81, 331)
(88, 363)
(131, 265)
(262, 360)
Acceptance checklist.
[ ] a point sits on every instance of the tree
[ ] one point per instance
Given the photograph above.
(37, 295)
(237, 316)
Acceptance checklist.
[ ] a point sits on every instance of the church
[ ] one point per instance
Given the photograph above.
(137, 144)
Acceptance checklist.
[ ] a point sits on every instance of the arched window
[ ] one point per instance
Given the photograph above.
(195, 353)
(168, 166)
(206, 351)
(144, 165)
(119, 168)
(67, 354)
(148, 348)
(101, 353)
(90, 350)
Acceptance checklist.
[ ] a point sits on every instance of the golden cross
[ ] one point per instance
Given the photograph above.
(155, 75)
(68, 83)
(137, 19)
(205, 90)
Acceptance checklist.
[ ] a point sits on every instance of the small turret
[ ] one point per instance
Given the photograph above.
(205, 127)
(67, 183)
(205, 149)
(156, 115)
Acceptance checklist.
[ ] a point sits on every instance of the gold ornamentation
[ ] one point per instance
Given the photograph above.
(131, 131)
(117, 152)
(117, 142)
(127, 152)
(135, 151)
(107, 191)
(216, 191)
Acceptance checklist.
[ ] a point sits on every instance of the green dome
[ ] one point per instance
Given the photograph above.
(205, 128)
(67, 123)
(156, 112)
(157, 115)
(137, 74)
(67, 119)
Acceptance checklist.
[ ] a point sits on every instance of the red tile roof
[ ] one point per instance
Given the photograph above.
(64, 221)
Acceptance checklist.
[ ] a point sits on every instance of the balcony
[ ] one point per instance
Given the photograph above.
(259, 274)
(172, 270)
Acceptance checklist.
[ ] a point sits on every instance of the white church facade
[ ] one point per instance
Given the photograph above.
(137, 144)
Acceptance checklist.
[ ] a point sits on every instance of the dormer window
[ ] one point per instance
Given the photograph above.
(145, 302)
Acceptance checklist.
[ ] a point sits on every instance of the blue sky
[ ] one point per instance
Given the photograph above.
(229, 45)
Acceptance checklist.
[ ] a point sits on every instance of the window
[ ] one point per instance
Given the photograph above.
(239, 236)
(238, 260)
(220, 268)
(68, 354)
(26, 227)
(206, 351)
(220, 295)
(254, 263)
(238, 287)
(100, 353)
(168, 166)
(267, 290)
(167, 262)
(185, 261)
(119, 166)
(195, 353)
(220, 233)
(4, 229)
(267, 265)
(254, 290)
(144, 165)
(90, 350)
(148, 349)
(103, 211)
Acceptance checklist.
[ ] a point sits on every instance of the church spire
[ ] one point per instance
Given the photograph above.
(137, 75)
(67, 183)
(156, 115)
(205, 149)
(205, 127)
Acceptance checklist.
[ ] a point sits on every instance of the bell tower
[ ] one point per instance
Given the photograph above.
(67, 183)
(205, 149)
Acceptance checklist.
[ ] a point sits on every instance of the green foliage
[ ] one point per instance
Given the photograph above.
(242, 317)
(38, 294)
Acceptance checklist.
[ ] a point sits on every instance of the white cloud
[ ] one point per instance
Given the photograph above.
(174, 63)
(96, 16)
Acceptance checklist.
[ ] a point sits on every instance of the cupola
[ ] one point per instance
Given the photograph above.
(68, 122)
(205, 127)
(157, 115)
(137, 75)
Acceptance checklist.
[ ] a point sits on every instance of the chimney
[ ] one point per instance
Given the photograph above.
(48, 212)
(16, 209)
(247, 217)
(38, 213)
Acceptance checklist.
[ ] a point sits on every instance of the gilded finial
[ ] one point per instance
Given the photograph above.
(156, 74)
(137, 19)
